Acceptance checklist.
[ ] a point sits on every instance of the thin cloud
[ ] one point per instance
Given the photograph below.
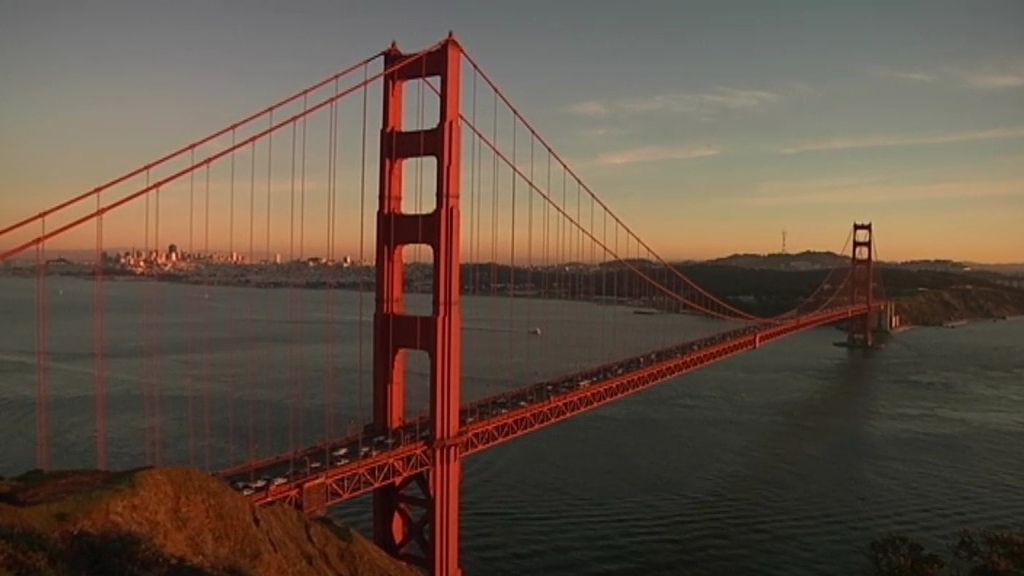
(601, 132)
(993, 75)
(889, 140)
(911, 75)
(590, 109)
(980, 75)
(704, 105)
(656, 154)
(722, 99)
(997, 80)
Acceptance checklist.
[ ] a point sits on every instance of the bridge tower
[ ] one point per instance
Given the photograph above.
(861, 284)
(417, 518)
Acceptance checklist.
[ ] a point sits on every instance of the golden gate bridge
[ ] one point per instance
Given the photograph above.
(471, 200)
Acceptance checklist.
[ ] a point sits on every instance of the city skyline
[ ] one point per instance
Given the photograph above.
(696, 115)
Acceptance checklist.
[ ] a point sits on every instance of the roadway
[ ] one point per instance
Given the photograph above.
(323, 475)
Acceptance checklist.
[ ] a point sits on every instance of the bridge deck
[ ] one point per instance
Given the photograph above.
(327, 474)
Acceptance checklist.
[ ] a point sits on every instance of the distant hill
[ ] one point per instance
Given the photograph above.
(1015, 269)
(168, 521)
(808, 260)
(928, 293)
(812, 260)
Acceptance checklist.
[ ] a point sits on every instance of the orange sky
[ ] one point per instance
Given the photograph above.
(708, 134)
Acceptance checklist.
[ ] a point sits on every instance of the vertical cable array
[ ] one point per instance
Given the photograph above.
(329, 372)
(216, 331)
(693, 296)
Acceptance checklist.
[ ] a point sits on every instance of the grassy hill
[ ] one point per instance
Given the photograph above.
(169, 521)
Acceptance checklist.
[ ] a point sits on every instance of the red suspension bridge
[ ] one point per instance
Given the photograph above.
(305, 397)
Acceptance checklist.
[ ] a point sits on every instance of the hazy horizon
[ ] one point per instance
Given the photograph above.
(86, 255)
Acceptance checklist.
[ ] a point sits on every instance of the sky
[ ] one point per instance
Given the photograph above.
(709, 127)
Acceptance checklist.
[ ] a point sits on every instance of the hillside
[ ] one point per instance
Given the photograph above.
(808, 260)
(923, 297)
(168, 521)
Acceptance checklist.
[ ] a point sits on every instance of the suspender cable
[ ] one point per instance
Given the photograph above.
(231, 201)
(302, 186)
(528, 286)
(565, 247)
(207, 383)
(510, 372)
(189, 347)
(547, 233)
(250, 379)
(98, 345)
(362, 249)
(154, 290)
(293, 404)
(147, 327)
(301, 433)
(271, 261)
(479, 212)
(472, 195)
(42, 410)
(270, 164)
(232, 384)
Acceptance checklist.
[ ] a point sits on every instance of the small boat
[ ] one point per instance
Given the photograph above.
(534, 331)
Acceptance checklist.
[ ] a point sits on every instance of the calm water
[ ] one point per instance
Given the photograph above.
(787, 460)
